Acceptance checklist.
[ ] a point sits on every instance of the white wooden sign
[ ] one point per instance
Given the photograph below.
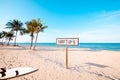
(67, 41)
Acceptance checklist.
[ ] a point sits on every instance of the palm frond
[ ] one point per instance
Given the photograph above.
(23, 31)
(42, 28)
(15, 24)
(9, 27)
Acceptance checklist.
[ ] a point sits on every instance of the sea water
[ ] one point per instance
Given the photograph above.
(92, 46)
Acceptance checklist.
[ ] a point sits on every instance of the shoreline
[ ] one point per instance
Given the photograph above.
(54, 48)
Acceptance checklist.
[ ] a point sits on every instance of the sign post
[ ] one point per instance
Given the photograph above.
(67, 42)
(66, 57)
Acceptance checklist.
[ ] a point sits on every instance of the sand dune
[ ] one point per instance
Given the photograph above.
(84, 64)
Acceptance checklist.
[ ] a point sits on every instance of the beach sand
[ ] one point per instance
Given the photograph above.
(84, 64)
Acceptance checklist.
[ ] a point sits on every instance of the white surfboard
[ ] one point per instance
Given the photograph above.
(15, 72)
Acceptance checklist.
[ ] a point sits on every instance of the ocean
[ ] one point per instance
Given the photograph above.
(91, 46)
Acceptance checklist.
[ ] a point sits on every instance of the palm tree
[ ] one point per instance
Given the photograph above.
(39, 28)
(2, 35)
(9, 36)
(16, 26)
(31, 29)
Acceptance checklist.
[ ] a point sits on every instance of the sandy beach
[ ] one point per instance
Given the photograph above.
(84, 64)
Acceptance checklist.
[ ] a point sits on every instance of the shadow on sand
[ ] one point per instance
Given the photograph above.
(97, 65)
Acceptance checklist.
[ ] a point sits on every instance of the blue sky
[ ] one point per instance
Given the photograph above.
(90, 20)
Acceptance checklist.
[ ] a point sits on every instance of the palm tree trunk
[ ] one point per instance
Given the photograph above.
(31, 40)
(8, 42)
(35, 41)
(5, 42)
(15, 39)
(2, 40)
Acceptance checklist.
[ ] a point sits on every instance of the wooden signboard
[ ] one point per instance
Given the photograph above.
(67, 42)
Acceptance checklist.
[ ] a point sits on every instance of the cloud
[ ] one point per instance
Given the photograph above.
(101, 35)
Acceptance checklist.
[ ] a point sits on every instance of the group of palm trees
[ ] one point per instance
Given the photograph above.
(15, 26)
